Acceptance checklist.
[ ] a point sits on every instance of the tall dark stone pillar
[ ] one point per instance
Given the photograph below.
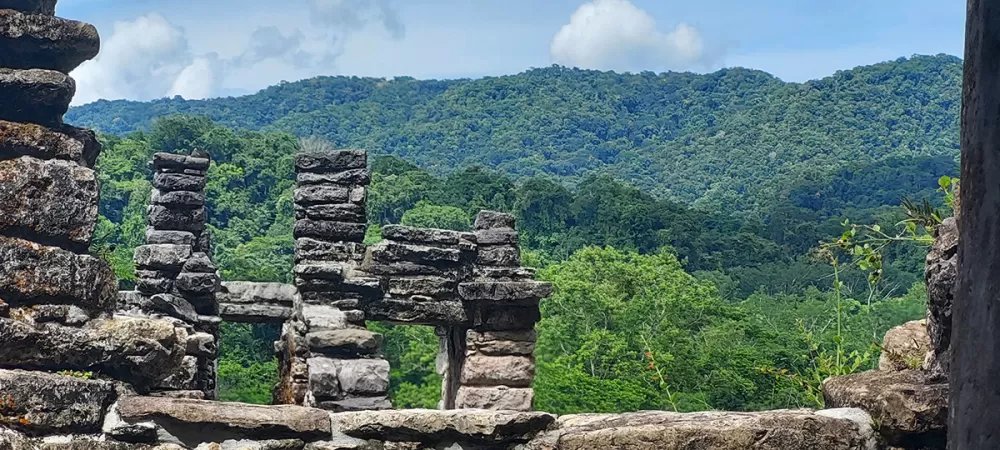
(975, 386)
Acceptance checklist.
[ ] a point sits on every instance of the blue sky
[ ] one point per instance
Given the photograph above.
(207, 48)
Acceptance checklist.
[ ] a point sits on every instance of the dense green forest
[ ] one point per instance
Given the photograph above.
(678, 216)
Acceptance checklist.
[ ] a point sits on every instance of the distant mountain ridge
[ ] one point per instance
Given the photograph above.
(734, 139)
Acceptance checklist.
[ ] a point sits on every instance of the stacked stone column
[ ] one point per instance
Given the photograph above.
(329, 359)
(175, 275)
(499, 365)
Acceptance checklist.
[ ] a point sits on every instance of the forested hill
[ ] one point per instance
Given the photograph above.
(734, 139)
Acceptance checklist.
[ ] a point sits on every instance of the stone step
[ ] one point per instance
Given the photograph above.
(36, 41)
(33, 274)
(35, 96)
(63, 142)
(54, 200)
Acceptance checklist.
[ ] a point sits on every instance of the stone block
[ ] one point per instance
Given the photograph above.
(31, 274)
(432, 426)
(38, 41)
(322, 317)
(363, 377)
(35, 95)
(345, 343)
(201, 344)
(328, 194)
(493, 219)
(512, 371)
(254, 292)
(380, 402)
(327, 162)
(37, 402)
(320, 271)
(347, 178)
(171, 161)
(494, 318)
(339, 212)
(905, 347)
(499, 256)
(197, 284)
(182, 376)
(308, 249)
(251, 313)
(64, 142)
(154, 236)
(192, 422)
(521, 342)
(178, 199)
(161, 256)
(44, 7)
(199, 263)
(496, 398)
(420, 235)
(510, 292)
(178, 182)
(55, 200)
(174, 306)
(63, 314)
(167, 218)
(152, 282)
(324, 381)
(330, 231)
(389, 251)
(497, 236)
(417, 312)
(429, 286)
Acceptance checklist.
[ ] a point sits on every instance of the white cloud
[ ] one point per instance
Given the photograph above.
(150, 57)
(617, 35)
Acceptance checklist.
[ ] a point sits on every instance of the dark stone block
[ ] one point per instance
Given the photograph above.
(178, 182)
(327, 194)
(420, 235)
(197, 283)
(497, 236)
(327, 162)
(35, 41)
(172, 161)
(55, 200)
(199, 263)
(341, 212)
(174, 306)
(505, 291)
(178, 199)
(165, 218)
(44, 403)
(417, 312)
(307, 249)
(331, 231)
(33, 274)
(64, 142)
(170, 257)
(35, 95)
(493, 219)
(44, 7)
(354, 177)
(154, 236)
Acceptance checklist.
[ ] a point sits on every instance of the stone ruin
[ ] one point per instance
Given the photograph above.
(83, 366)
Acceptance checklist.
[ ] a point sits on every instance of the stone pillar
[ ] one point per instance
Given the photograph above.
(176, 278)
(499, 365)
(329, 359)
(975, 389)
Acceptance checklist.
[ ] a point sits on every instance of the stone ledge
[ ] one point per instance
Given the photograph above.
(434, 426)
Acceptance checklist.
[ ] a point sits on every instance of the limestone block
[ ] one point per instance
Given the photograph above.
(420, 235)
(508, 318)
(344, 343)
(324, 381)
(323, 317)
(253, 292)
(308, 249)
(64, 142)
(327, 162)
(31, 274)
(417, 312)
(201, 344)
(389, 251)
(497, 236)
(152, 282)
(192, 422)
(348, 177)
(55, 199)
(161, 256)
(197, 284)
(38, 402)
(431, 426)
(199, 263)
(425, 285)
(493, 219)
(907, 407)
(905, 347)
(513, 371)
(521, 342)
(487, 273)
(356, 404)
(322, 194)
(499, 256)
(178, 182)
(36, 41)
(178, 199)
(182, 376)
(46, 7)
(171, 161)
(174, 306)
(250, 313)
(329, 230)
(717, 430)
(505, 291)
(35, 95)
(154, 236)
(363, 377)
(498, 398)
(320, 271)
(406, 268)
(165, 218)
(139, 351)
(339, 212)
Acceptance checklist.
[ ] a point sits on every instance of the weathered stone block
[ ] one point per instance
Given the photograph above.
(430, 286)
(307, 249)
(363, 377)
(31, 273)
(55, 199)
(169, 218)
(337, 161)
(65, 142)
(154, 236)
(174, 306)
(340, 212)
(417, 312)
(37, 41)
(940, 276)
(199, 263)
(495, 398)
(37, 402)
(505, 291)
(323, 194)
(320, 271)
(139, 351)
(171, 161)
(389, 251)
(379, 402)
(178, 182)
(253, 292)
(509, 318)
(407, 268)
(499, 256)
(35, 95)
(347, 177)
(178, 199)
(906, 406)
(345, 343)
(192, 422)
(497, 236)
(201, 344)
(420, 235)
(197, 284)
(432, 426)
(64, 314)
(324, 381)
(161, 256)
(328, 230)
(905, 347)
(323, 317)
(250, 313)
(493, 219)
(513, 371)
(520, 342)
(182, 376)
(46, 7)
